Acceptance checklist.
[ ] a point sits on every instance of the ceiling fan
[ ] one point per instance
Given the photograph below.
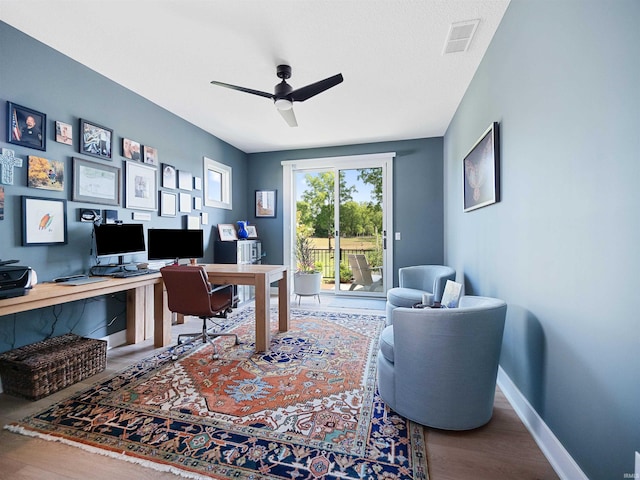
(284, 95)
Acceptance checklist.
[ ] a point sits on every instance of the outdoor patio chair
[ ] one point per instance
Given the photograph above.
(362, 273)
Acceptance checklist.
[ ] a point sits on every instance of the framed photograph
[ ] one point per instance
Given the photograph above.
(265, 203)
(45, 174)
(64, 133)
(185, 181)
(26, 127)
(227, 232)
(141, 186)
(197, 183)
(197, 203)
(217, 184)
(481, 168)
(251, 230)
(95, 140)
(169, 176)
(95, 182)
(168, 204)
(44, 221)
(130, 149)
(150, 155)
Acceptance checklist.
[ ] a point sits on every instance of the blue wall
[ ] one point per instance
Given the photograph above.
(561, 247)
(35, 76)
(417, 196)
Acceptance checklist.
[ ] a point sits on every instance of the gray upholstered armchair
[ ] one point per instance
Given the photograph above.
(416, 280)
(438, 367)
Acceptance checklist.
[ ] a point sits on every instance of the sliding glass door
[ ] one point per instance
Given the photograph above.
(343, 205)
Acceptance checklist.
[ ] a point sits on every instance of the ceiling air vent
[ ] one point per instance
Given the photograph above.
(460, 35)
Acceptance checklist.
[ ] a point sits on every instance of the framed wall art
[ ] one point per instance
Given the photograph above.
(481, 167)
(44, 221)
(168, 176)
(95, 182)
(95, 140)
(150, 156)
(141, 186)
(27, 127)
(217, 184)
(46, 174)
(185, 180)
(168, 204)
(64, 133)
(265, 203)
(130, 149)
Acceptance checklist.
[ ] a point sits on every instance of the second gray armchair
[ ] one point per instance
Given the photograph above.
(416, 280)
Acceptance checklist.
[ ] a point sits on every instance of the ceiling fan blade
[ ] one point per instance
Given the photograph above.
(304, 93)
(243, 89)
(289, 117)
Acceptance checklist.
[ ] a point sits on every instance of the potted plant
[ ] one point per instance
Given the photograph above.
(307, 279)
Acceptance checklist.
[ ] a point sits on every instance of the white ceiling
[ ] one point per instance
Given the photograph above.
(397, 84)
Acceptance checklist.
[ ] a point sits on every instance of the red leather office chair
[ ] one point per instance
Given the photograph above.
(190, 293)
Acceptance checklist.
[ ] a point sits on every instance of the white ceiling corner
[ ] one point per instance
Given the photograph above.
(397, 83)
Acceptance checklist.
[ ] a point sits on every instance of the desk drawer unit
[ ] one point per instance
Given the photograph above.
(40, 369)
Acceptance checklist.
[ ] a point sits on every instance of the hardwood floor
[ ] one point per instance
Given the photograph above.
(502, 449)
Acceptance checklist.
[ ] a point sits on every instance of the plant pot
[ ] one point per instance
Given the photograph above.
(307, 283)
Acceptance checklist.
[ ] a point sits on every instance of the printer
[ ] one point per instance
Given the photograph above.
(15, 280)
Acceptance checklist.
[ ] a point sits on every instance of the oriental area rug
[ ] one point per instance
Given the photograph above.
(307, 409)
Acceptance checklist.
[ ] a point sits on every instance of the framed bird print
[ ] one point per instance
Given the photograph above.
(481, 167)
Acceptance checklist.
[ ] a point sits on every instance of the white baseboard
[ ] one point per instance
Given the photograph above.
(116, 339)
(563, 464)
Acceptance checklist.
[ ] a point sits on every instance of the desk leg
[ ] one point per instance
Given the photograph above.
(283, 303)
(263, 329)
(162, 317)
(135, 314)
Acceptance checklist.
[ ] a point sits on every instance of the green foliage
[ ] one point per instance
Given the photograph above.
(345, 273)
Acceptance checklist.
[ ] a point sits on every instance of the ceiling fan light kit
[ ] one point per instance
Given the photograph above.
(284, 95)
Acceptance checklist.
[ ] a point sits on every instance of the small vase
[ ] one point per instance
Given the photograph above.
(242, 229)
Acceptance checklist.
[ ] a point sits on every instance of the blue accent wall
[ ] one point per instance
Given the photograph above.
(417, 196)
(561, 247)
(35, 76)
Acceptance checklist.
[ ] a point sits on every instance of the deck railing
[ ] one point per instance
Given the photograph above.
(327, 257)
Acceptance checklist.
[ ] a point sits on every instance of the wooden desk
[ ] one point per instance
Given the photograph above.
(261, 277)
(145, 302)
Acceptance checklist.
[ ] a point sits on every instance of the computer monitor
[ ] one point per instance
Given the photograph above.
(174, 244)
(119, 239)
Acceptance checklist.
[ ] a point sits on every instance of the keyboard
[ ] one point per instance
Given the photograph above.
(134, 273)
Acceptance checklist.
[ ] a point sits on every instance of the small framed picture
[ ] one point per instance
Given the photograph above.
(95, 140)
(26, 127)
(169, 176)
(141, 189)
(150, 155)
(130, 149)
(251, 230)
(44, 221)
(184, 203)
(185, 181)
(45, 174)
(168, 204)
(227, 232)
(193, 222)
(265, 203)
(64, 133)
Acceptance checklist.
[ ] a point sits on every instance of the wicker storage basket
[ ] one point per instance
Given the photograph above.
(40, 369)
